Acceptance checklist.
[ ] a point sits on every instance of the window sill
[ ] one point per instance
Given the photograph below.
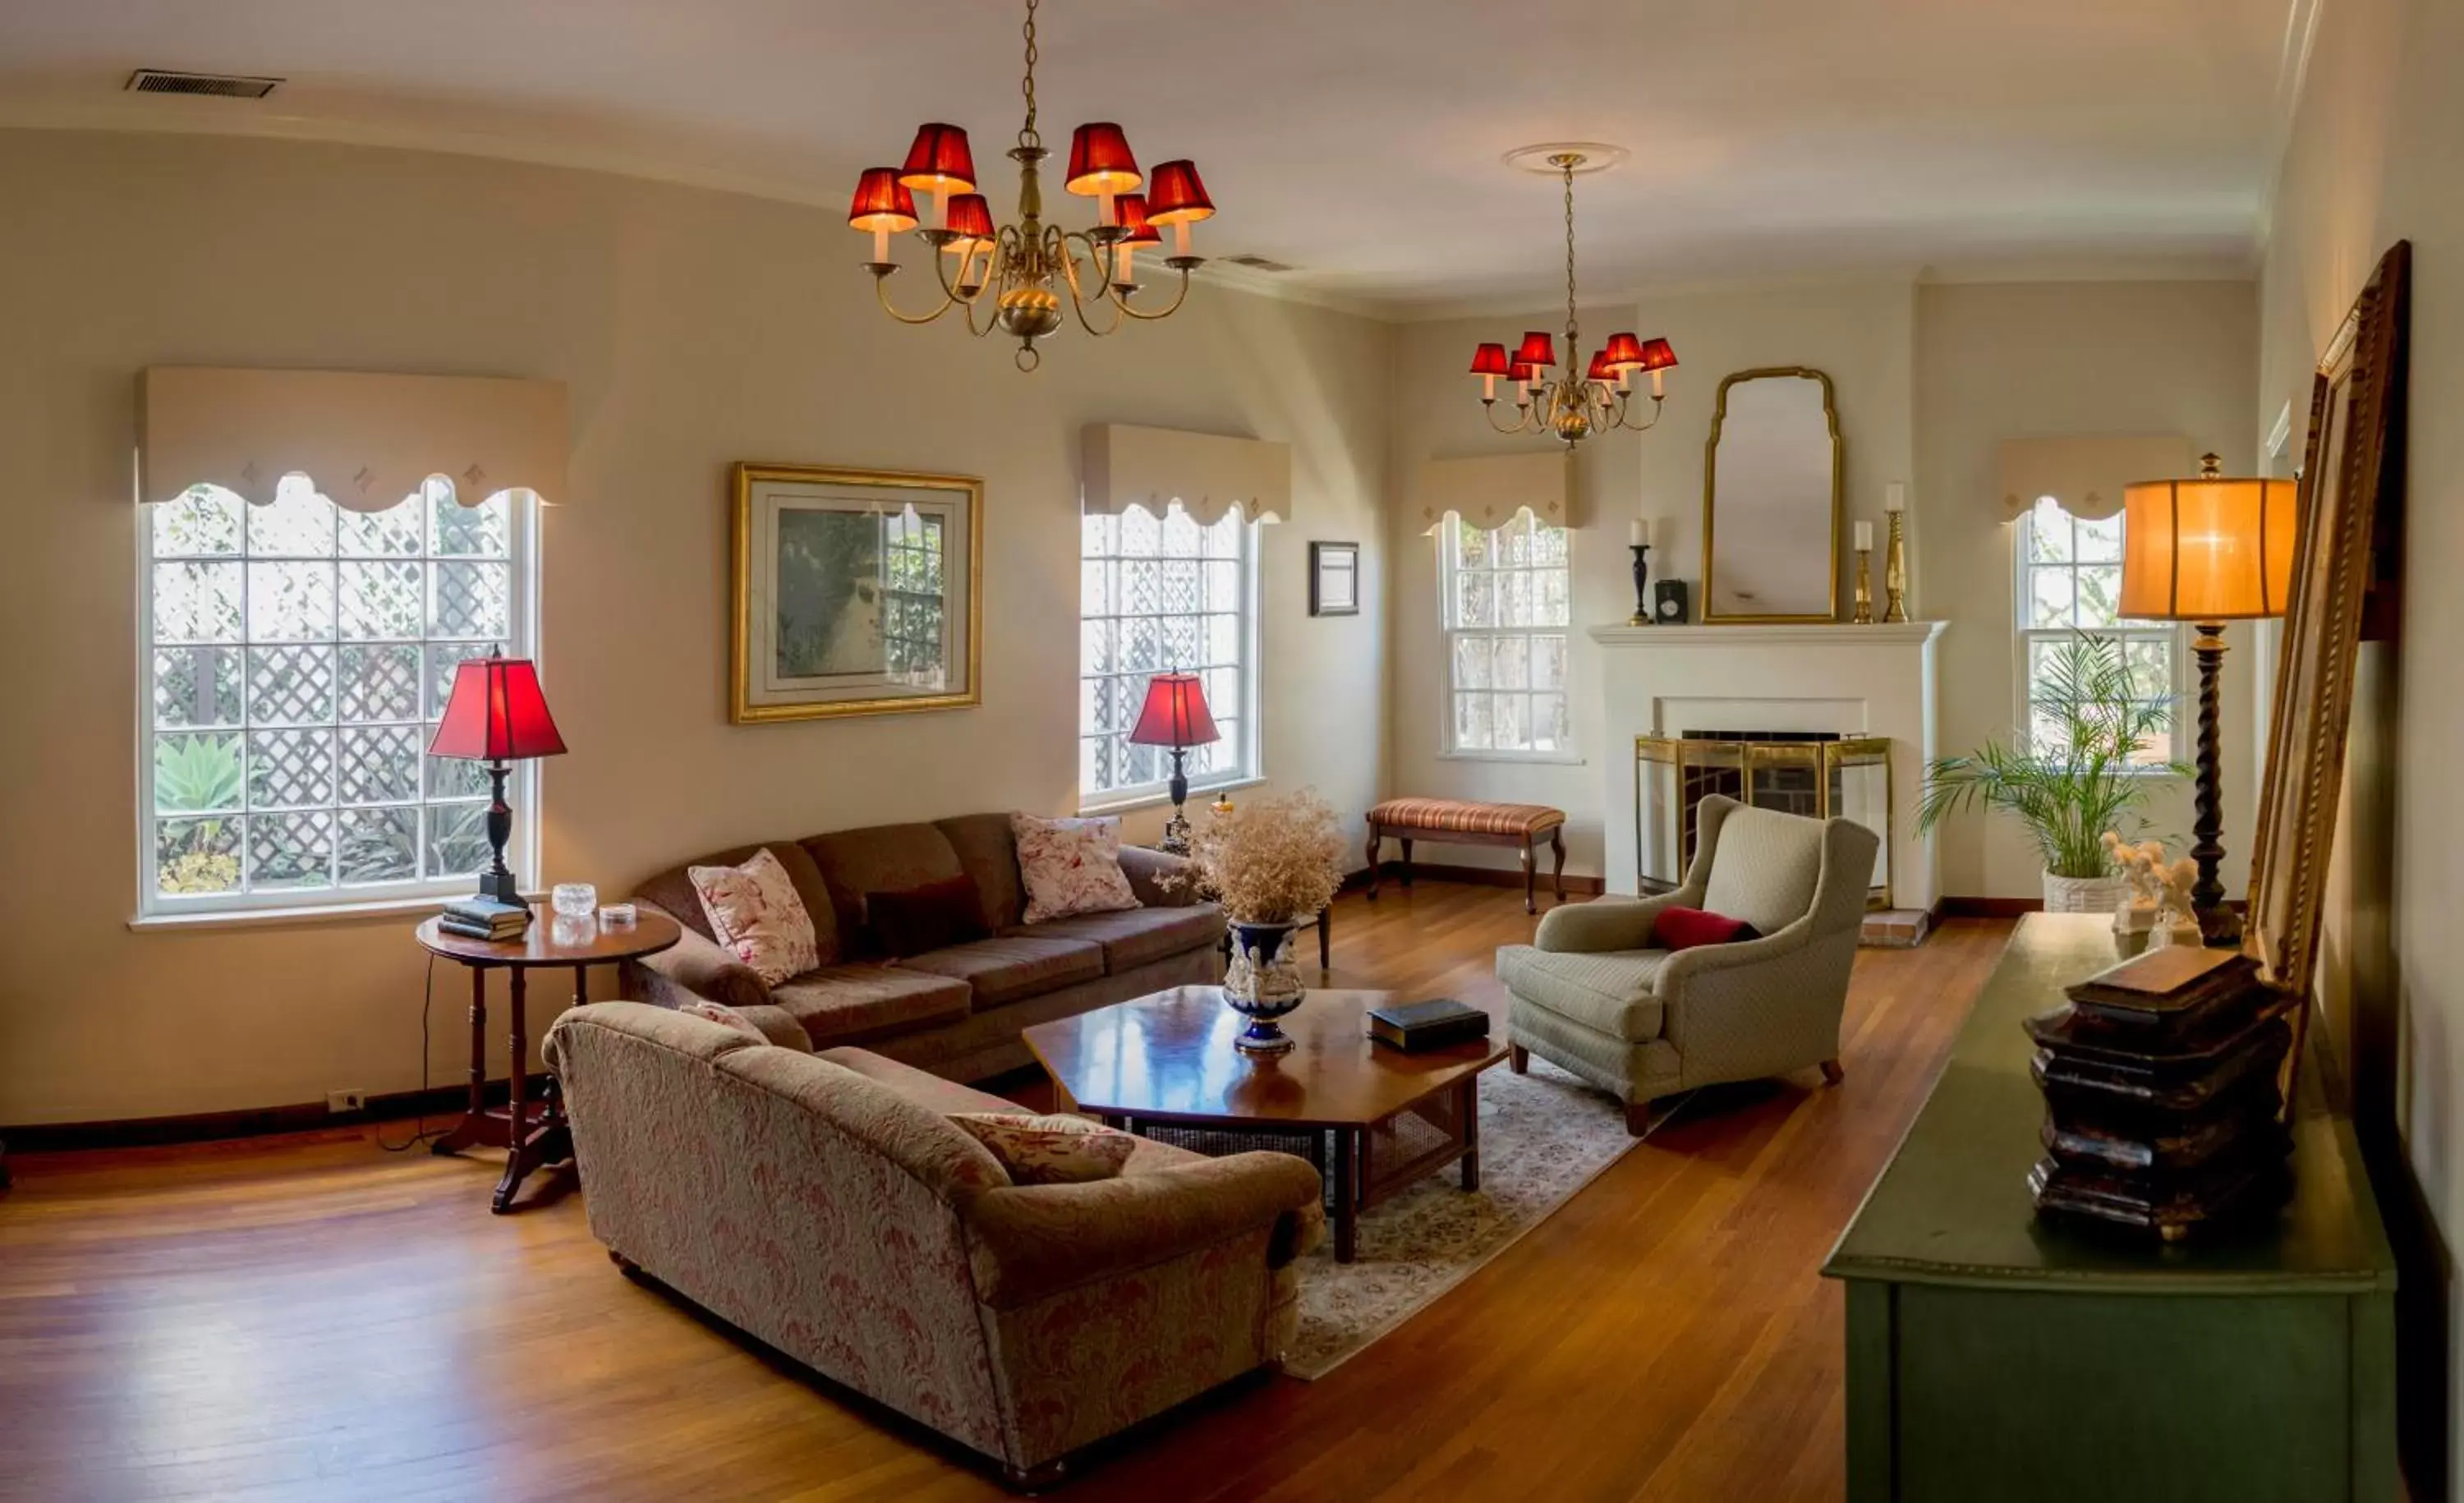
(380, 910)
(1530, 759)
(1151, 801)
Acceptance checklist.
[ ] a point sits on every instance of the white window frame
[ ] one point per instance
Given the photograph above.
(1451, 629)
(2168, 634)
(523, 788)
(1248, 769)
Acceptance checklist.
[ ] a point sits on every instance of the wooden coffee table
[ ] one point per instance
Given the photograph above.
(1168, 1060)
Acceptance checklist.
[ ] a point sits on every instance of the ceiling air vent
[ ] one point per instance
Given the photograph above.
(220, 85)
(1261, 263)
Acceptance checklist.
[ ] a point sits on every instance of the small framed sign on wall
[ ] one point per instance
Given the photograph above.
(1335, 579)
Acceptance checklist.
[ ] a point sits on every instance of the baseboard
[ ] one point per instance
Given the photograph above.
(1988, 907)
(306, 1117)
(1478, 876)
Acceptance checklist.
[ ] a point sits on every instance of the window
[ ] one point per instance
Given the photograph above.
(1156, 596)
(1505, 592)
(297, 658)
(2070, 581)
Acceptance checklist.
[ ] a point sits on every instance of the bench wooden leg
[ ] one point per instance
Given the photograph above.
(1531, 882)
(1557, 844)
(1376, 843)
(1407, 863)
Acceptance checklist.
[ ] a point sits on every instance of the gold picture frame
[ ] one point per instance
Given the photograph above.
(1713, 613)
(2352, 473)
(885, 628)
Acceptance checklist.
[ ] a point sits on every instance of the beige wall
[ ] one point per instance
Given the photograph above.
(693, 328)
(2019, 360)
(2374, 159)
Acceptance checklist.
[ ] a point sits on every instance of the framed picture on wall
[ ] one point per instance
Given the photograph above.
(1335, 579)
(854, 592)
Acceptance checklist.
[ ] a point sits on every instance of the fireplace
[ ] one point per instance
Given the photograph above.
(1816, 774)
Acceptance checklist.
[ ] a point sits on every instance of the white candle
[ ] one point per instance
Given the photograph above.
(1895, 497)
(1637, 535)
(1865, 537)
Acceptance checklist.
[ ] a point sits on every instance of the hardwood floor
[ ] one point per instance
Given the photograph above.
(310, 1318)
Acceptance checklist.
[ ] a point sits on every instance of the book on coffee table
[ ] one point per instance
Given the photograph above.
(1435, 1024)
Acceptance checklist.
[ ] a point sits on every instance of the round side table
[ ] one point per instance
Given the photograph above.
(532, 1132)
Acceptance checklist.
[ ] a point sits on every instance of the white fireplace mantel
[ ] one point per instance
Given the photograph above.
(1857, 680)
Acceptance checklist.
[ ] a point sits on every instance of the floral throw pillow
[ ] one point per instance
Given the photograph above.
(725, 1017)
(1049, 1150)
(1070, 865)
(754, 911)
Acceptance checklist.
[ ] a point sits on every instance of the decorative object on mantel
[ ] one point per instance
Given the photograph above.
(1176, 715)
(1639, 539)
(1670, 597)
(2208, 551)
(1570, 407)
(1895, 561)
(497, 715)
(854, 592)
(1815, 774)
(2070, 794)
(2161, 1103)
(1031, 268)
(1771, 485)
(2346, 568)
(1269, 864)
(1863, 613)
(1335, 579)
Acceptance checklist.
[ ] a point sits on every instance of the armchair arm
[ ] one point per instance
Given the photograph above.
(1030, 1241)
(1146, 869)
(696, 967)
(1606, 923)
(1712, 959)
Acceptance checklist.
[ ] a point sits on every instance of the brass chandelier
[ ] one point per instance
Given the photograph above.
(1567, 407)
(1026, 270)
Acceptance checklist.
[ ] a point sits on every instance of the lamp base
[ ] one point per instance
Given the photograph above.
(500, 886)
(1175, 834)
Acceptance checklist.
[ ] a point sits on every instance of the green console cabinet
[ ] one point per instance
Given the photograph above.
(1996, 1359)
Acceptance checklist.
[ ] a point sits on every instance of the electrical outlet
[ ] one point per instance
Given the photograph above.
(346, 1100)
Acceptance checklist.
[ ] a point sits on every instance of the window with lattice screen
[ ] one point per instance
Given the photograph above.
(1157, 594)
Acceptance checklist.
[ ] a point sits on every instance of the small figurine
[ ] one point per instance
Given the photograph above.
(2138, 866)
(2177, 921)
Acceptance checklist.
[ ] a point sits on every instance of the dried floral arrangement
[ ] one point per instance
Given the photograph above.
(1275, 861)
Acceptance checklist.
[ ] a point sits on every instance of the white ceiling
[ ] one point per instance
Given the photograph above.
(1357, 141)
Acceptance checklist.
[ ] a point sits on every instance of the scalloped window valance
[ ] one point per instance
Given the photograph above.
(1487, 491)
(367, 440)
(2085, 475)
(1207, 474)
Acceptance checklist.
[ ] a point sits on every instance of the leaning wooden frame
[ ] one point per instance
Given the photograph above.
(2352, 478)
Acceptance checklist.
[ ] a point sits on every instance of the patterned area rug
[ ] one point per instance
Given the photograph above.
(1542, 1137)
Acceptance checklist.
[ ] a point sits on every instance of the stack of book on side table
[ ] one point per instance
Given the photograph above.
(484, 919)
(1436, 1024)
(2162, 1108)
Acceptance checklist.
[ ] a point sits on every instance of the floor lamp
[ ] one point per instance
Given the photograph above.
(2208, 550)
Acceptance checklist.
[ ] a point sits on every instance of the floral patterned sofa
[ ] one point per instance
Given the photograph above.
(958, 1011)
(825, 1205)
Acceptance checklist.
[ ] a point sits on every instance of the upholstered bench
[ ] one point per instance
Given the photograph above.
(1470, 822)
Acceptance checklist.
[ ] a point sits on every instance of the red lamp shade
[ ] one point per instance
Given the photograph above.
(881, 202)
(1130, 212)
(1489, 359)
(1599, 369)
(971, 222)
(939, 162)
(1624, 352)
(1176, 196)
(1523, 370)
(1536, 349)
(1657, 356)
(1174, 713)
(1100, 160)
(496, 714)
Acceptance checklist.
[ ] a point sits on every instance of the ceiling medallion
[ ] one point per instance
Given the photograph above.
(1569, 408)
(1027, 269)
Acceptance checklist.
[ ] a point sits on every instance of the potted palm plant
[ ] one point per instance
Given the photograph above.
(2086, 773)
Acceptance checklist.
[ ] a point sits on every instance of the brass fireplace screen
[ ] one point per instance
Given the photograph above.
(1820, 776)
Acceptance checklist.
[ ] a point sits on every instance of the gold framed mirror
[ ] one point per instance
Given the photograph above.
(1772, 481)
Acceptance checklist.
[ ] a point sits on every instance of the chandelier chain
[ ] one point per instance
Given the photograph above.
(1027, 136)
(1569, 264)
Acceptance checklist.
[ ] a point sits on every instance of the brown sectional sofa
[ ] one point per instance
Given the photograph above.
(955, 1011)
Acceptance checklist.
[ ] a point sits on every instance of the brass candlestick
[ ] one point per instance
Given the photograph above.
(1864, 614)
(1895, 576)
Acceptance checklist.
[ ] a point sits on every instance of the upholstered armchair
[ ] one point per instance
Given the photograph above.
(1592, 996)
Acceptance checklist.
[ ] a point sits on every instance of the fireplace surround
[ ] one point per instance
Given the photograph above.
(1815, 774)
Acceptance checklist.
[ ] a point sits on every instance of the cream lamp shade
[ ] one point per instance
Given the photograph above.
(2213, 548)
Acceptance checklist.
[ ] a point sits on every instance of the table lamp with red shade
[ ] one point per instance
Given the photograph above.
(1176, 715)
(497, 715)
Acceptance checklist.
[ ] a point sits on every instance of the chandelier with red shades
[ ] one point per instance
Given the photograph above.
(1018, 275)
(1568, 407)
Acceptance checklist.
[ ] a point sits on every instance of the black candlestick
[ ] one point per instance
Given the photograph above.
(1641, 616)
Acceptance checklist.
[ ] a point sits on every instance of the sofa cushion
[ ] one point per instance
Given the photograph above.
(1608, 992)
(1137, 936)
(1049, 1150)
(1676, 928)
(930, 918)
(1070, 865)
(838, 1003)
(989, 853)
(880, 858)
(724, 1016)
(673, 891)
(1005, 969)
(756, 912)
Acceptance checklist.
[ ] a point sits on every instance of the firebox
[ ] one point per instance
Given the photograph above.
(1818, 774)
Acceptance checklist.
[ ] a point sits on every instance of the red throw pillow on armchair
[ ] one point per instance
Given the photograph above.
(1685, 928)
